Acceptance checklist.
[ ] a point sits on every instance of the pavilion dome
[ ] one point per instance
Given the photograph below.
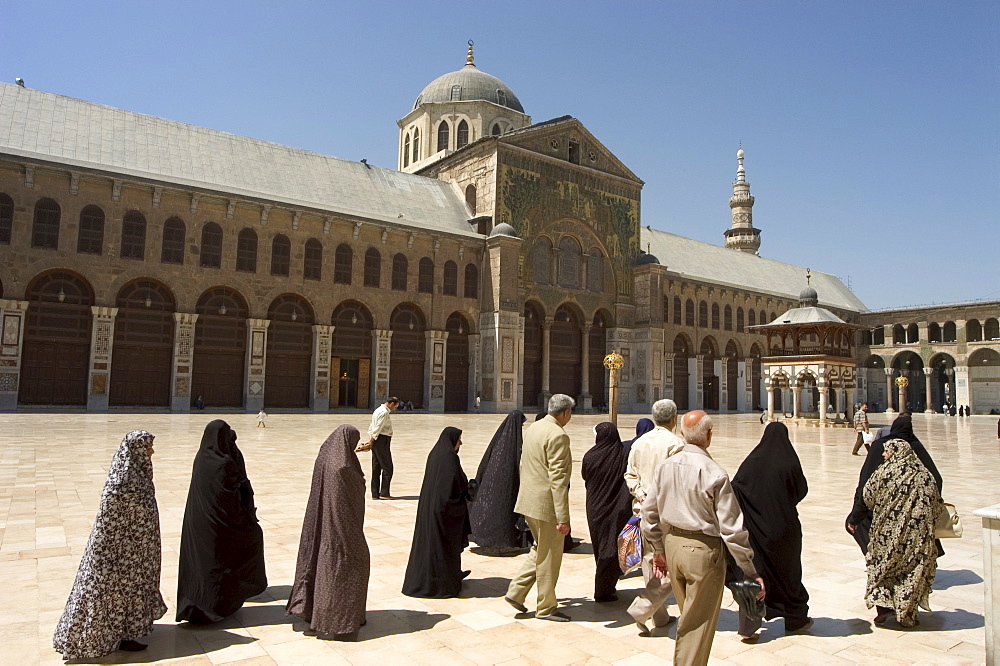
(808, 297)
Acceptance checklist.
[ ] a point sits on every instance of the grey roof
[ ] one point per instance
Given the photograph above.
(809, 315)
(52, 128)
(474, 84)
(716, 264)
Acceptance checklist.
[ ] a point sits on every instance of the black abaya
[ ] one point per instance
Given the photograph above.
(494, 523)
(222, 545)
(434, 569)
(642, 426)
(609, 505)
(769, 485)
(861, 515)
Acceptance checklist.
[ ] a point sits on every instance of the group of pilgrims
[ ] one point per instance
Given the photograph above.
(116, 598)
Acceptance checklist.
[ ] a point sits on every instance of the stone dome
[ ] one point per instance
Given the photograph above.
(808, 296)
(646, 258)
(503, 229)
(469, 84)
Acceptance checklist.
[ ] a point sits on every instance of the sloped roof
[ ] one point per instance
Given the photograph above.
(714, 263)
(50, 128)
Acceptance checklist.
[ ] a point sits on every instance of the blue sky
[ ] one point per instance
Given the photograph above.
(871, 130)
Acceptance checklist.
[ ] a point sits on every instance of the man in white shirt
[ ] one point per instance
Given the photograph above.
(689, 516)
(380, 436)
(647, 453)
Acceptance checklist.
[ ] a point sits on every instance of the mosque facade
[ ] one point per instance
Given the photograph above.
(147, 263)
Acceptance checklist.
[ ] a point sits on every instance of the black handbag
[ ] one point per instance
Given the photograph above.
(745, 593)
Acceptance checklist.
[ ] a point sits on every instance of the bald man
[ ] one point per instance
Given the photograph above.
(689, 515)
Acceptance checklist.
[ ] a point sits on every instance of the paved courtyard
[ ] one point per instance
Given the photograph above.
(53, 467)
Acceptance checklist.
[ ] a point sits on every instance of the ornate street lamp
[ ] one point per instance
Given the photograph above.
(613, 362)
(902, 383)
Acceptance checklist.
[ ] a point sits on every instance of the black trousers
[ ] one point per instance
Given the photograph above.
(381, 466)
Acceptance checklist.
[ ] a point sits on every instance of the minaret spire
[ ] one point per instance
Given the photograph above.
(742, 235)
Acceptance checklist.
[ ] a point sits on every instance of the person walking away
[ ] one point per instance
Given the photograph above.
(647, 452)
(492, 516)
(543, 500)
(690, 514)
(860, 429)
(379, 438)
(609, 506)
(768, 485)
(261, 415)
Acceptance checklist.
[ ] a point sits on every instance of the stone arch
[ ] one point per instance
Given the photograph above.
(144, 345)
(351, 354)
(683, 351)
(220, 341)
(950, 332)
(534, 320)
(570, 260)
(973, 330)
(407, 353)
(984, 377)
(909, 364)
(991, 329)
(565, 349)
(456, 387)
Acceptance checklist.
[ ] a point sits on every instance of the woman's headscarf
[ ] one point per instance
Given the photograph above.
(901, 557)
(492, 514)
(116, 594)
(641, 428)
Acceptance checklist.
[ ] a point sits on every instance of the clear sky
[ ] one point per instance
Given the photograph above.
(871, 130)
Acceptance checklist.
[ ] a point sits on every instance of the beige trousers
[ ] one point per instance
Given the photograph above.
(651, 602)
(541, 568)
(697, 571)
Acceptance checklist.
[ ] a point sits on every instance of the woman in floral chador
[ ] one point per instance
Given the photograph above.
(116, 595)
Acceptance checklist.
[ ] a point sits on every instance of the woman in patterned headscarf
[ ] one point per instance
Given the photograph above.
(116, 595)
(902, 557)
(331, 575)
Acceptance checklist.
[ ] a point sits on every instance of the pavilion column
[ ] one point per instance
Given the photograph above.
(824, 399)
(183, 361)
(101, 342)
(796, 400)
(888, 391)
(256, 363)
(319, 384)
(546, 341)
(770, 400)
(928, 402)
(12, 317)
(843, 407)
(584, 401)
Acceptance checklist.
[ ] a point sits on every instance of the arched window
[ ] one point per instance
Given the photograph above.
(878, 336)
(727, 318)
(678, 311)
(133, 235)
(991, 329)
(456, 93)
(246, 251)
(595, 270)
(752, 317)
(689, 313)
(45, 228)
(569, 263)
(501, 97)
(541, 261)
(312, 262)
(470, 198)
(342, 264)
(496, 131)
(450, 278)
(172, 251)
(898, 334)
(373, 268)
(950, 332)
(715, 316)
(443, 135)
(281, 255)
(211, 245)
(912, 333)
(739, 320)
(773, 317)
(462, 136)
(703, 314)
(933, 332)
(91, 237)
(425, 276)
(400, 265)
(406, 150)
(471, 281)
(6, 218)
(416, 145)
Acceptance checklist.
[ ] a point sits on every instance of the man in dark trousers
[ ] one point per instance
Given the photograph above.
(380, 436)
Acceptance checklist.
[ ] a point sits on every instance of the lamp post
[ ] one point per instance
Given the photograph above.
(902, 383)
(613, 362)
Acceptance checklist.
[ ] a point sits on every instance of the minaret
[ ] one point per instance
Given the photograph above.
(742, 235)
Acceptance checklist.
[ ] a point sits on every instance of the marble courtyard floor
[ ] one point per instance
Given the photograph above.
(53, 467)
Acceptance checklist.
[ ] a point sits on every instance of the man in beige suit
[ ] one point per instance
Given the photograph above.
(543, 500)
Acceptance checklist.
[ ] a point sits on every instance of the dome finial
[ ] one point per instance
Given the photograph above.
(808, 277)
(469, 58)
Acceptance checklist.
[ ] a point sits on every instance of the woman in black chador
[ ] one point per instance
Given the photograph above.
(222, 546)
(769, 485)
(442, 528)
(609, 505)
(494, 523)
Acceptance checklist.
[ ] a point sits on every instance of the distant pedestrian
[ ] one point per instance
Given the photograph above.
(199, 403)
(860, 429)
(380, 437)
(478, 402)
(261, 415)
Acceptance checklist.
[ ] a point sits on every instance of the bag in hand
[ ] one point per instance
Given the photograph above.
(948, 524)
(745, 593)
(630, 546)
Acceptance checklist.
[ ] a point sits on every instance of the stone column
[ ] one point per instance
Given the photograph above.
(694, 382)
(101, 343)
(183, 361)
(546, 341)
(699, 381)
(584, 401)
(770, 400)
(796, 400)
(724, 385)
(991, 575)
(888, 391)
(319, 381)
(902, 398)
(381, 341)
(475, 358)
(824, 399)
(253, 393)
(12, 315)
(928, 402)
(963, 392)
(669, 390)
(744, 397)
(434, 369)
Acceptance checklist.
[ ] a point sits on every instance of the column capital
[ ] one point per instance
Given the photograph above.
(258, 323)
(928, 371)
(185, 317)
(11, 304)
(888, 372)
(547, 323)
(101, 311)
